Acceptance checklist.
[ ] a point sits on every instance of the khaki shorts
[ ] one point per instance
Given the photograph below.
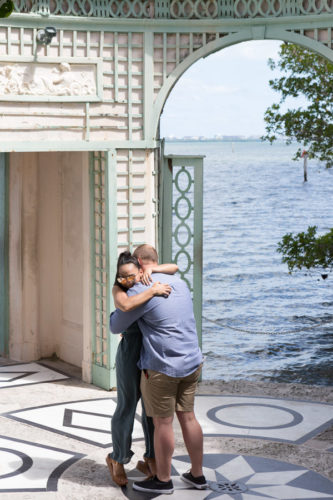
(163, 395)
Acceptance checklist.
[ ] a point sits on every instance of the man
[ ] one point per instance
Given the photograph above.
(127, 371)
(171, 364)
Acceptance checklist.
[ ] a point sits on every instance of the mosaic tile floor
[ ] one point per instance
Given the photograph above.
(238, 416)
(88, 420)
(265, 418)
(27, 373)
(30, 466)
(237, 477)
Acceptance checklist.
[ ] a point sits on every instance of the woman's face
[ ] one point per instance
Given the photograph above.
(128, 275)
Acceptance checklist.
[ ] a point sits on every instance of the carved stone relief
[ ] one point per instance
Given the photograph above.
(47, 79)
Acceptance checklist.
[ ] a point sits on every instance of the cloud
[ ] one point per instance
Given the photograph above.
(251, 51)
(187, 85)
(220, 89)
(226, 92)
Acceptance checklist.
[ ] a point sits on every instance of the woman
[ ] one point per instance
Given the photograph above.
(129, 272)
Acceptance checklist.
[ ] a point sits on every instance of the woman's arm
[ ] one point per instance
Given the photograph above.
(125, 303)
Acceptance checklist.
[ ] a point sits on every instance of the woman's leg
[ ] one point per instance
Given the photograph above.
(148, 465)
(148, 431)
(128, 394)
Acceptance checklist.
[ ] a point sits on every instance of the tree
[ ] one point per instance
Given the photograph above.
(309, 75)
(305, 250)
(6, 8)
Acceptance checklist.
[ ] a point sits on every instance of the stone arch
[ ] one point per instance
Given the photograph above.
(249, 34)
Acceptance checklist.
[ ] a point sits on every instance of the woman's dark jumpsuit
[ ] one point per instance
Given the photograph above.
(128, 395)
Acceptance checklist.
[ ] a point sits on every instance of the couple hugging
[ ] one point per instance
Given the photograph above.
(159, 359)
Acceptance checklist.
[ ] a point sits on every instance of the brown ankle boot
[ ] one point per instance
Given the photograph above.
(117, 472)
(147, 466)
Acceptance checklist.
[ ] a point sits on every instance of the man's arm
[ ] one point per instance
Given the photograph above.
(120, 321)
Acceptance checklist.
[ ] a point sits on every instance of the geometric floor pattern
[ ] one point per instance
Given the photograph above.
(88, 421)
(237, 477)
(31, 467)
(26, 466)
(238, 416)
(27, 373)
(262, 417)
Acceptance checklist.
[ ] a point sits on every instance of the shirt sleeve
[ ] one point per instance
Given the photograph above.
(120, 320)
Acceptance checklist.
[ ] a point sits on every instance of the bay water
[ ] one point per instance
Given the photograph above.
(259, 322)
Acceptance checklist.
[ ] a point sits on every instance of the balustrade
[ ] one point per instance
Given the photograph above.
(176, 9)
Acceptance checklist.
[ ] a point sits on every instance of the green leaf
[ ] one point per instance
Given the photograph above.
(305, 250)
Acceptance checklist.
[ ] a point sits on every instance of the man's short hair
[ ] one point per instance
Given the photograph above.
(146, 253)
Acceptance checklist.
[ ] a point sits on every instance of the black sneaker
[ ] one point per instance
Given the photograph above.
(198, 482)
(154, 485)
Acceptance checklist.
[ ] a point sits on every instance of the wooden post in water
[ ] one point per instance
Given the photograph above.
(305, 165)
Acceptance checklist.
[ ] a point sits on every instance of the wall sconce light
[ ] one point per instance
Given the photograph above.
(45, 35)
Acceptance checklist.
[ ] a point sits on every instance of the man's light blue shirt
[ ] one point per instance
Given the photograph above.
(170, 342)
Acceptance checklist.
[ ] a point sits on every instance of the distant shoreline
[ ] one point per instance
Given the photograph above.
(211, 139)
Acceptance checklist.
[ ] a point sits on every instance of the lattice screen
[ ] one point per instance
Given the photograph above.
(100, 259)
(135, 198)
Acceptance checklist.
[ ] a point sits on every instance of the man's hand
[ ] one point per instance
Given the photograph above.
(161, 289)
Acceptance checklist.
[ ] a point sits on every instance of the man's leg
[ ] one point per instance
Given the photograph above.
(191, 429)
(159, 395)
(193, 439)
(164, 444)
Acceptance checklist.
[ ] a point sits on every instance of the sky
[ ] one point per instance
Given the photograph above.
(226, 93)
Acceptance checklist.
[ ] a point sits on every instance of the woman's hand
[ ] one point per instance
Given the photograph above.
(161, 289)
(146, 275)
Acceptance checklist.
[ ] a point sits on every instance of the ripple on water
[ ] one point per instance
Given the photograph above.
(252, 197)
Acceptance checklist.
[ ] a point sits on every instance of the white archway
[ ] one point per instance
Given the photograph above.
(250, 34)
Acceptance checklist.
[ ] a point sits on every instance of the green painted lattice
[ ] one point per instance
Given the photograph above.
(181, 222)
(175, 9)
(131, 187)
(103, 224)
(91, 8)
